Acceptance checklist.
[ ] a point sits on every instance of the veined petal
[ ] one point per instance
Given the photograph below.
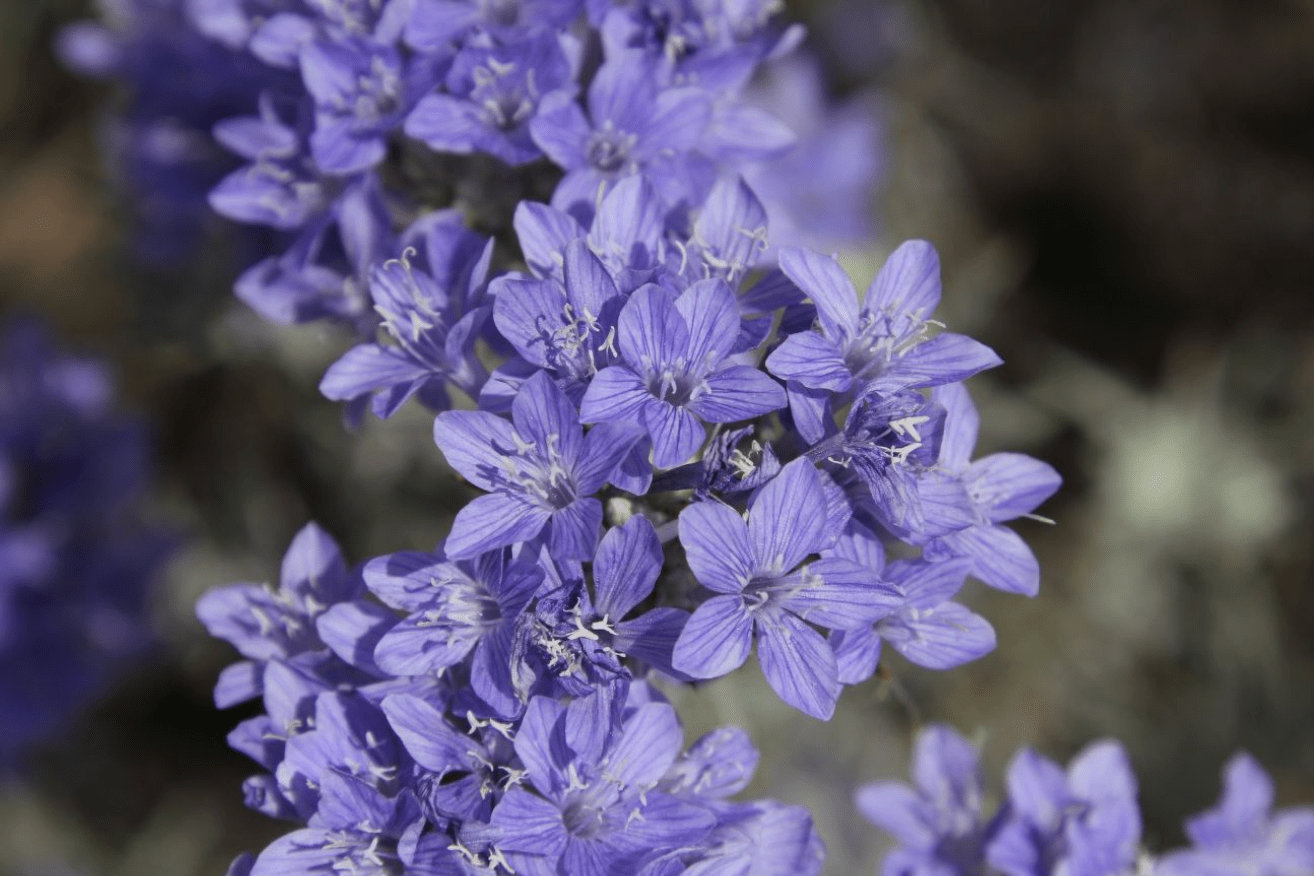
(543, 234)
(1008, 485)
(857, 653)
(425, 734)
(648, 745)
(629, 225)
(810, 410)
(562, 133)
(961, 425)
(493, 521)
(676, 433)
(715, 540)
(827, 285)
(540, 747)
(313, 568)
(353, 629)
(675, 122)
(943, 637)
(651, 331)
(927, 584)
(652, 636)
(787, 520)
(738, 393)
(606, 446)
(528, 313)
(531, 825)
(573, 531)
(945, 358)
(908, 282)
(414, 647)
(474, 443)
(365, 368)
(614, 393)
(716, 640)
(446, 124)
(626, 567)
(798, 664)
(811, 359)
(999, 557)
(490, 672)
(711, 314)
(544, 415)
(667, 821)
(847, 596)
(588, 283)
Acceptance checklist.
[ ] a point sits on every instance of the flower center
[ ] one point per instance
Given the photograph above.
(609, 150)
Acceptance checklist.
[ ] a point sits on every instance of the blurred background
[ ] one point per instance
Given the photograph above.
(1122, 194)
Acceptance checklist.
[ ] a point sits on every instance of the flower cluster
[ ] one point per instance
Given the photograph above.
(547, 221)
(490, 702)
(1081, 822)
(77, 560)
(484, 721)
(687, 443)
(337, 123)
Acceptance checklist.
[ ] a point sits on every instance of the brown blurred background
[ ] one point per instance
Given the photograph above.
(1122, 192)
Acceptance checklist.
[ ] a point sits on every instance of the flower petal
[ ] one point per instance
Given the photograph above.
(798, 664)
(716, 640)
(825, 282)
(715, 540)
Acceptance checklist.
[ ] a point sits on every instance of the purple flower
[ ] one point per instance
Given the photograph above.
(591, 803)
(1085, 823)
(819, 193)
(754, 568)
(625, 571)
(432, 310)
(361, 94)
(454, 609)
(762, 838)
(676, 371)
(881, 347)
(78, 561)
(1242, 834)
(264, 623)
(493, 95)
(634, 125)
(540, 471)
(469, 770)
(1000, 487)
(567, 326)
(939, 824)
(280, 187)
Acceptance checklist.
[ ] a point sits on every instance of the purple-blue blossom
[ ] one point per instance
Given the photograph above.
(591, 801)
(676, 372)
(431, 303)
(881, 346)
(636, 123)
(1000, 487)
(492, 97)
(762, 593)
(540, 472)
